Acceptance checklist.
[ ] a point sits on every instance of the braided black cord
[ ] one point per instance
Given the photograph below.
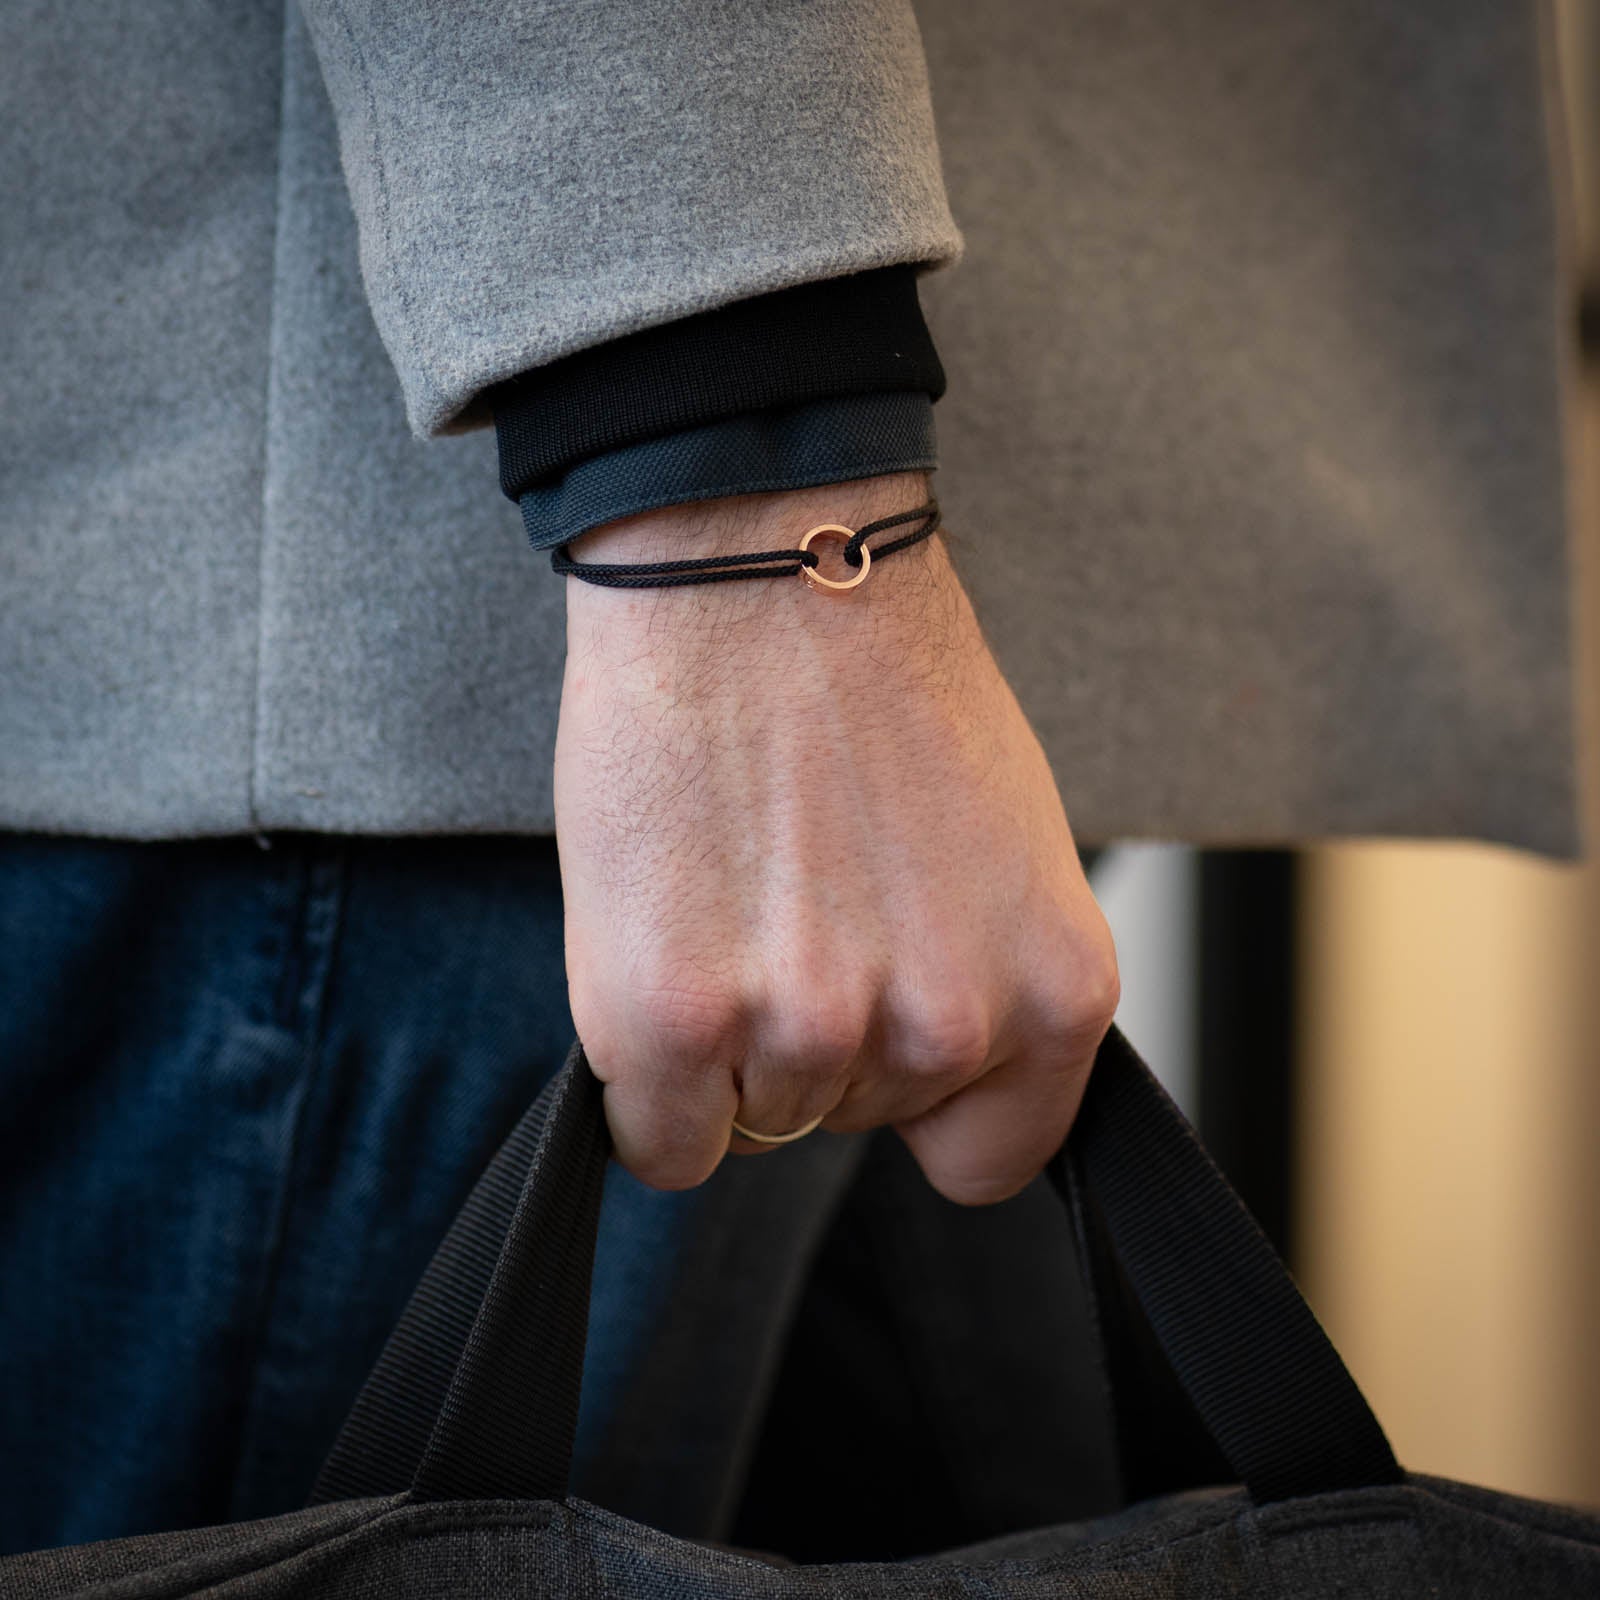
(753, 564)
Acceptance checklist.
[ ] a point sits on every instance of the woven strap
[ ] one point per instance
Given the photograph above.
(1245, 1347)
(476, 1393)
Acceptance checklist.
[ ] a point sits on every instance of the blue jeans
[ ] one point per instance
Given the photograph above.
(245, 1087)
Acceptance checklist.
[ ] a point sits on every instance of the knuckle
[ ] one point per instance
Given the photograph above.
(820, 1038)
(1083, 996)
(1098, 989)
(948, 1039)
(693, 1020)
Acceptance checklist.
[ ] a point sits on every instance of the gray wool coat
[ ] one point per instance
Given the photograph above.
(1250, 457)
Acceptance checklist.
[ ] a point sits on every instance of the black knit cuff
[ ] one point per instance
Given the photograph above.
(760, 452)
(860, 334)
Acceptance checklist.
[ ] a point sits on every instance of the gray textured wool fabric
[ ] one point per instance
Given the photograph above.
(1251, 447)
(1416, 1542)
(1272, 535)
(532, 179)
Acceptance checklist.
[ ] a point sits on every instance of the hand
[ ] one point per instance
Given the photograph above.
(814, 859)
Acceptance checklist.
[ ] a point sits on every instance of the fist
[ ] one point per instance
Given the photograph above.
(814, 861)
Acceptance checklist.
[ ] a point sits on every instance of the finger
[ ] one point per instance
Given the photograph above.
(800, 1063)
(989, 1140)
(668, 1067)
(670, 1133)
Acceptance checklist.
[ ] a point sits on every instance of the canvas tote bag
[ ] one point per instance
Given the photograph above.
(450, 1476)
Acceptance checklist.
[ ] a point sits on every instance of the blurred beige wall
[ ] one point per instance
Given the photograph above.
(1450, 1120)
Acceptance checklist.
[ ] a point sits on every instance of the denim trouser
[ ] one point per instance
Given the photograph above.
(245, 1085)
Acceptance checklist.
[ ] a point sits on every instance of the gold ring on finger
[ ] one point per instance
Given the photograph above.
(779, 1138)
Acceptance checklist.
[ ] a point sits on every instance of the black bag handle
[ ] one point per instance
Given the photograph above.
(1245, 1347)
(476, 1393)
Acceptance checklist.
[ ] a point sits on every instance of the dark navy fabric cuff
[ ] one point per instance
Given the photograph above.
(786, 447)
(859, 334)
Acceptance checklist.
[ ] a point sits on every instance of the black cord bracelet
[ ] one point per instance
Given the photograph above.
(755, 563)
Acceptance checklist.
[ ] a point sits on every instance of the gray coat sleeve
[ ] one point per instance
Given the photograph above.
(531, 179)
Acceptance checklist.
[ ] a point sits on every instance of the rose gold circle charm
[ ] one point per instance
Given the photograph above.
(815, 578)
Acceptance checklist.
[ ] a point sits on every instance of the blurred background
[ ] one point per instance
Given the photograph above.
(1394, 1049)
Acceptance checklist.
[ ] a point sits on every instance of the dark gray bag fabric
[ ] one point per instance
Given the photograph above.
(450, 1477)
